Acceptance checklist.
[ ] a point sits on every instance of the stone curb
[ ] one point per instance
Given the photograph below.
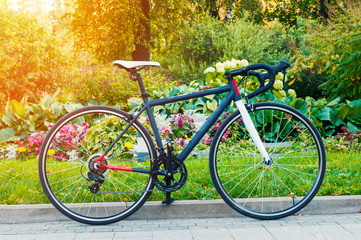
(179, 209)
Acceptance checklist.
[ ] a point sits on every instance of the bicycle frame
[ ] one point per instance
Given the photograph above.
(233, 95)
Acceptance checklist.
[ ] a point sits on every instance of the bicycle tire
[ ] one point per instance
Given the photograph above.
(268, 190)
(69, 152)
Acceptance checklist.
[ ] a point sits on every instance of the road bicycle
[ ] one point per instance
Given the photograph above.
(99, 164)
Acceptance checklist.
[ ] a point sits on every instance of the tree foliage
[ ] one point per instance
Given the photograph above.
(106, 28)
(30, 60)
(112, 29)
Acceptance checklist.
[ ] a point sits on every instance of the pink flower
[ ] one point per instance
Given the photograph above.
(207, 139)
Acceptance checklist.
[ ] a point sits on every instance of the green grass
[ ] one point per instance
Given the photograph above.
(19, 182)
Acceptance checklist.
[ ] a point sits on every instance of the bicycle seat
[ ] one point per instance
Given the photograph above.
(132, 66)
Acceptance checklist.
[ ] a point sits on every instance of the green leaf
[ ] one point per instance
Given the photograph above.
(6, 134)
(69, 107)
(58, 108)
(46, 102)
(212, 105)
(333, 102)
(351, 127)
(343, 111)
(8, 119)
(328, 114)
(300, 105)
(210, 97)
(18, 108)
(355, 104)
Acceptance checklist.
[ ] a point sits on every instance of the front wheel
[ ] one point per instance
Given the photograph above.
(74, 183)
(268, 189)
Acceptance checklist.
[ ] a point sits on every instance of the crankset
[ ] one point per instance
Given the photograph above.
(172, 180)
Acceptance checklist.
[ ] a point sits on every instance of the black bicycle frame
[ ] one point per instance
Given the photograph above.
(148, 104)
(206, 126)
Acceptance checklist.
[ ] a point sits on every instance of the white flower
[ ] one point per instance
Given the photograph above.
(221, 70)
(243, 63)
(278, 85)
(279, 76)
(209, 70)
(292, 93)
(227, 64)
(11, 151)
(282, 92)
(219, 65)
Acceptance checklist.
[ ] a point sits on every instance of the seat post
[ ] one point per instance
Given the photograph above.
(139, 79)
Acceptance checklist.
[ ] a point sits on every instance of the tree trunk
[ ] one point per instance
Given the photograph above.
(324, 10)
(141, 52)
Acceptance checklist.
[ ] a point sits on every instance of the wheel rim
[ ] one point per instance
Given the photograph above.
(68, 155)
(262, 189)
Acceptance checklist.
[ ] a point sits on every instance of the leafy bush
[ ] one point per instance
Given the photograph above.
(109, 85)
(330, 54)
(256, 43)
(345, 141)
(208, 40)
(328, 117)
(97, 136)
(23, 118)
(196, 47)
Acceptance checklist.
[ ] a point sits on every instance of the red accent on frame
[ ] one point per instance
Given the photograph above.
(116, 168)
(235, 86)
(101, 158)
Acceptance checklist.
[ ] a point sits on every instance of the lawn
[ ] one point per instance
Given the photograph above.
(19, 182)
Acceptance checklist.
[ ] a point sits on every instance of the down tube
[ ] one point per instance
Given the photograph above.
(206, 126)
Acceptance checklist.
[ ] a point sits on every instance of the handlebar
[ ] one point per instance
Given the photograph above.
(272, 71)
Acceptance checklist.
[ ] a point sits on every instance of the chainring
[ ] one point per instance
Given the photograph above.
(169, 181)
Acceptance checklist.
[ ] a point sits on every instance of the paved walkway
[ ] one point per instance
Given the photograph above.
(342, 226)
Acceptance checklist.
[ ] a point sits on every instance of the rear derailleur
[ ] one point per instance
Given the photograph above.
(95, 173)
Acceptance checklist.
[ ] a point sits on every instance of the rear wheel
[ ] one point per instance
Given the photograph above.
(70, 177)
(268, 189)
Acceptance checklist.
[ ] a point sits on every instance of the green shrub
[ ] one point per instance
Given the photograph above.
(256, 43)
(208, 40)
(196, 48)
(330, 54)
(328, 117)
(23, 118)
(109, 85)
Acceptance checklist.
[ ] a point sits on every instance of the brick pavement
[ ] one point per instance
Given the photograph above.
(328, 227)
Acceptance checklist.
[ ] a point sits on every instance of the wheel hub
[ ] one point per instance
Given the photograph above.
(93, 164)
(268, 162)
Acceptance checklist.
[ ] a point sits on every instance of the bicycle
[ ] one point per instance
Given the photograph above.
(99, 164)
